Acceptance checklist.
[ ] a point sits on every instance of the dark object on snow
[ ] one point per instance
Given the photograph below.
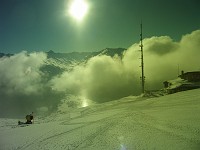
(20, 123)
(29, 119)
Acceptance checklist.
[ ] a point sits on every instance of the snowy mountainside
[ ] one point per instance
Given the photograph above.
(58, 62)
(170, 122)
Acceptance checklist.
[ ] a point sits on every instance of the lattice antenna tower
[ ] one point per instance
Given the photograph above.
(142, 60)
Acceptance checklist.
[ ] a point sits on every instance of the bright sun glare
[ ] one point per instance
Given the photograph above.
(78, 9)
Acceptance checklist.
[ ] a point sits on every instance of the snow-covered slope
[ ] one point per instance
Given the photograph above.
(171, 122)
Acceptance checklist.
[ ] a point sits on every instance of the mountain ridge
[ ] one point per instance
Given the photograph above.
(78, 55)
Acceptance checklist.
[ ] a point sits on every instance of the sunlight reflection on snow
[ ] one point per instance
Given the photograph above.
(85, 102)
(122, 146)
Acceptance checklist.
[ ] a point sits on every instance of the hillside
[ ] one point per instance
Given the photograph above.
(170, 122)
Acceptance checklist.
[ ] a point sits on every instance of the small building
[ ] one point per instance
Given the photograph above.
(185, 81)
(190, 76)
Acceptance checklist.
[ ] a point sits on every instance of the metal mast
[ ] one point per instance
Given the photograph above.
(142, 59)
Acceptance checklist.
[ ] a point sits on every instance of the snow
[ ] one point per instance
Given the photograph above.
(182, 82)
(132, 123)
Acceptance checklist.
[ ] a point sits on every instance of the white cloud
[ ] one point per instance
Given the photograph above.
(20, 73)
(102, 78)
(21, 86)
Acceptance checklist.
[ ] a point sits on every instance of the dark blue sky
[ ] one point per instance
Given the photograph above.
(42, 25)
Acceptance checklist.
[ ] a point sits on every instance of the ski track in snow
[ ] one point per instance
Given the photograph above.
(168, 122)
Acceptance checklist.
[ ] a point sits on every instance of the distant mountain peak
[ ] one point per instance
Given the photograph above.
(51, 52)
(112, 51)
(5, 55)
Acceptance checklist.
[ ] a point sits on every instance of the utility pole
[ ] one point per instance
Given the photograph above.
(142, 59)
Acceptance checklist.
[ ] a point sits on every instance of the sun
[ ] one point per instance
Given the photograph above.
(78, 9)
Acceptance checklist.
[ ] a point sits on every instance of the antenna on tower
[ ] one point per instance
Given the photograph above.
(178, 70)
(142, 59)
